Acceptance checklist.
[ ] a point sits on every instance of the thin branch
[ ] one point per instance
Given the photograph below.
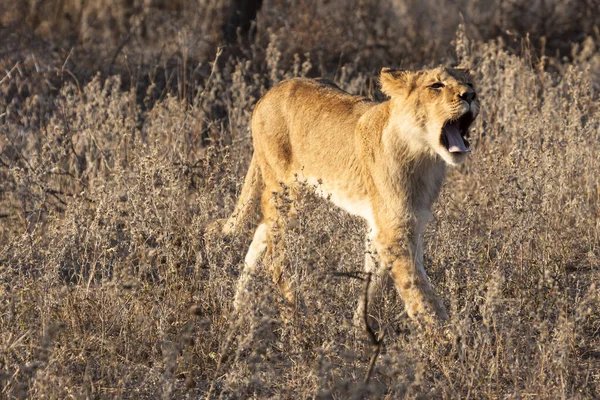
(375, 342)
(8, 74)
(226, 345)
(74, 78)
(353, 275)
(200, 95)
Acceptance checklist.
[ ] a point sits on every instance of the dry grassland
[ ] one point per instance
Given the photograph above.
(124, 131)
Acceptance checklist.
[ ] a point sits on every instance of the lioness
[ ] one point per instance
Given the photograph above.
(384, 162)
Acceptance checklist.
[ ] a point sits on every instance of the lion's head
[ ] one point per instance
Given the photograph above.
(442, 104)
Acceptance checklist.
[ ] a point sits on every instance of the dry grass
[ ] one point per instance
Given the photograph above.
(120, 139)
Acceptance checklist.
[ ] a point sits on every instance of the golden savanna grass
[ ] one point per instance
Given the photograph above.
(125, 130)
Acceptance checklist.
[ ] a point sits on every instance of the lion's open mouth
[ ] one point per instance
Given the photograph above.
(455, 134)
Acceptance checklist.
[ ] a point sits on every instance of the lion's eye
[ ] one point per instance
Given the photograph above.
(437, 85)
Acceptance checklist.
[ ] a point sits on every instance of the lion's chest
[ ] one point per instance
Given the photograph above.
(345, 198)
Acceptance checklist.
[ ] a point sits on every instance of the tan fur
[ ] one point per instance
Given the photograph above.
(381, 161)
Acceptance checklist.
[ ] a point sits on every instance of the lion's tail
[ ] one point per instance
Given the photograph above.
(248, 202)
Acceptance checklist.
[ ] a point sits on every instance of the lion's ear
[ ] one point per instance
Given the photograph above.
(394, 81)
(465, 71)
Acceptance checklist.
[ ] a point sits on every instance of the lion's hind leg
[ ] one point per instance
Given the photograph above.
(275, 206)
(253, 257)
(268, 245)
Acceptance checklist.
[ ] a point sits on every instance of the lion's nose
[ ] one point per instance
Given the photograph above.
(468, 96)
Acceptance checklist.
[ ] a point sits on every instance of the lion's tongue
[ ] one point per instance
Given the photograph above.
(456, 144)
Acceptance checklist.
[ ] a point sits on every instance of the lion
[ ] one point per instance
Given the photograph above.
(382, 161)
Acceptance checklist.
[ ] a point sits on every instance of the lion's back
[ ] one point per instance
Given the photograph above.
(305, 123)
(307, 107)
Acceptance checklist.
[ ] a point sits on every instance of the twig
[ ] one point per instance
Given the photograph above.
(353, 275)
(67, 59)
(225, 348)
(200, 95)
(8, 74)
(375, 343)
(64, 69)
(74, 78)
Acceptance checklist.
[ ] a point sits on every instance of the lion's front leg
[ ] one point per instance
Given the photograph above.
(404, 258)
